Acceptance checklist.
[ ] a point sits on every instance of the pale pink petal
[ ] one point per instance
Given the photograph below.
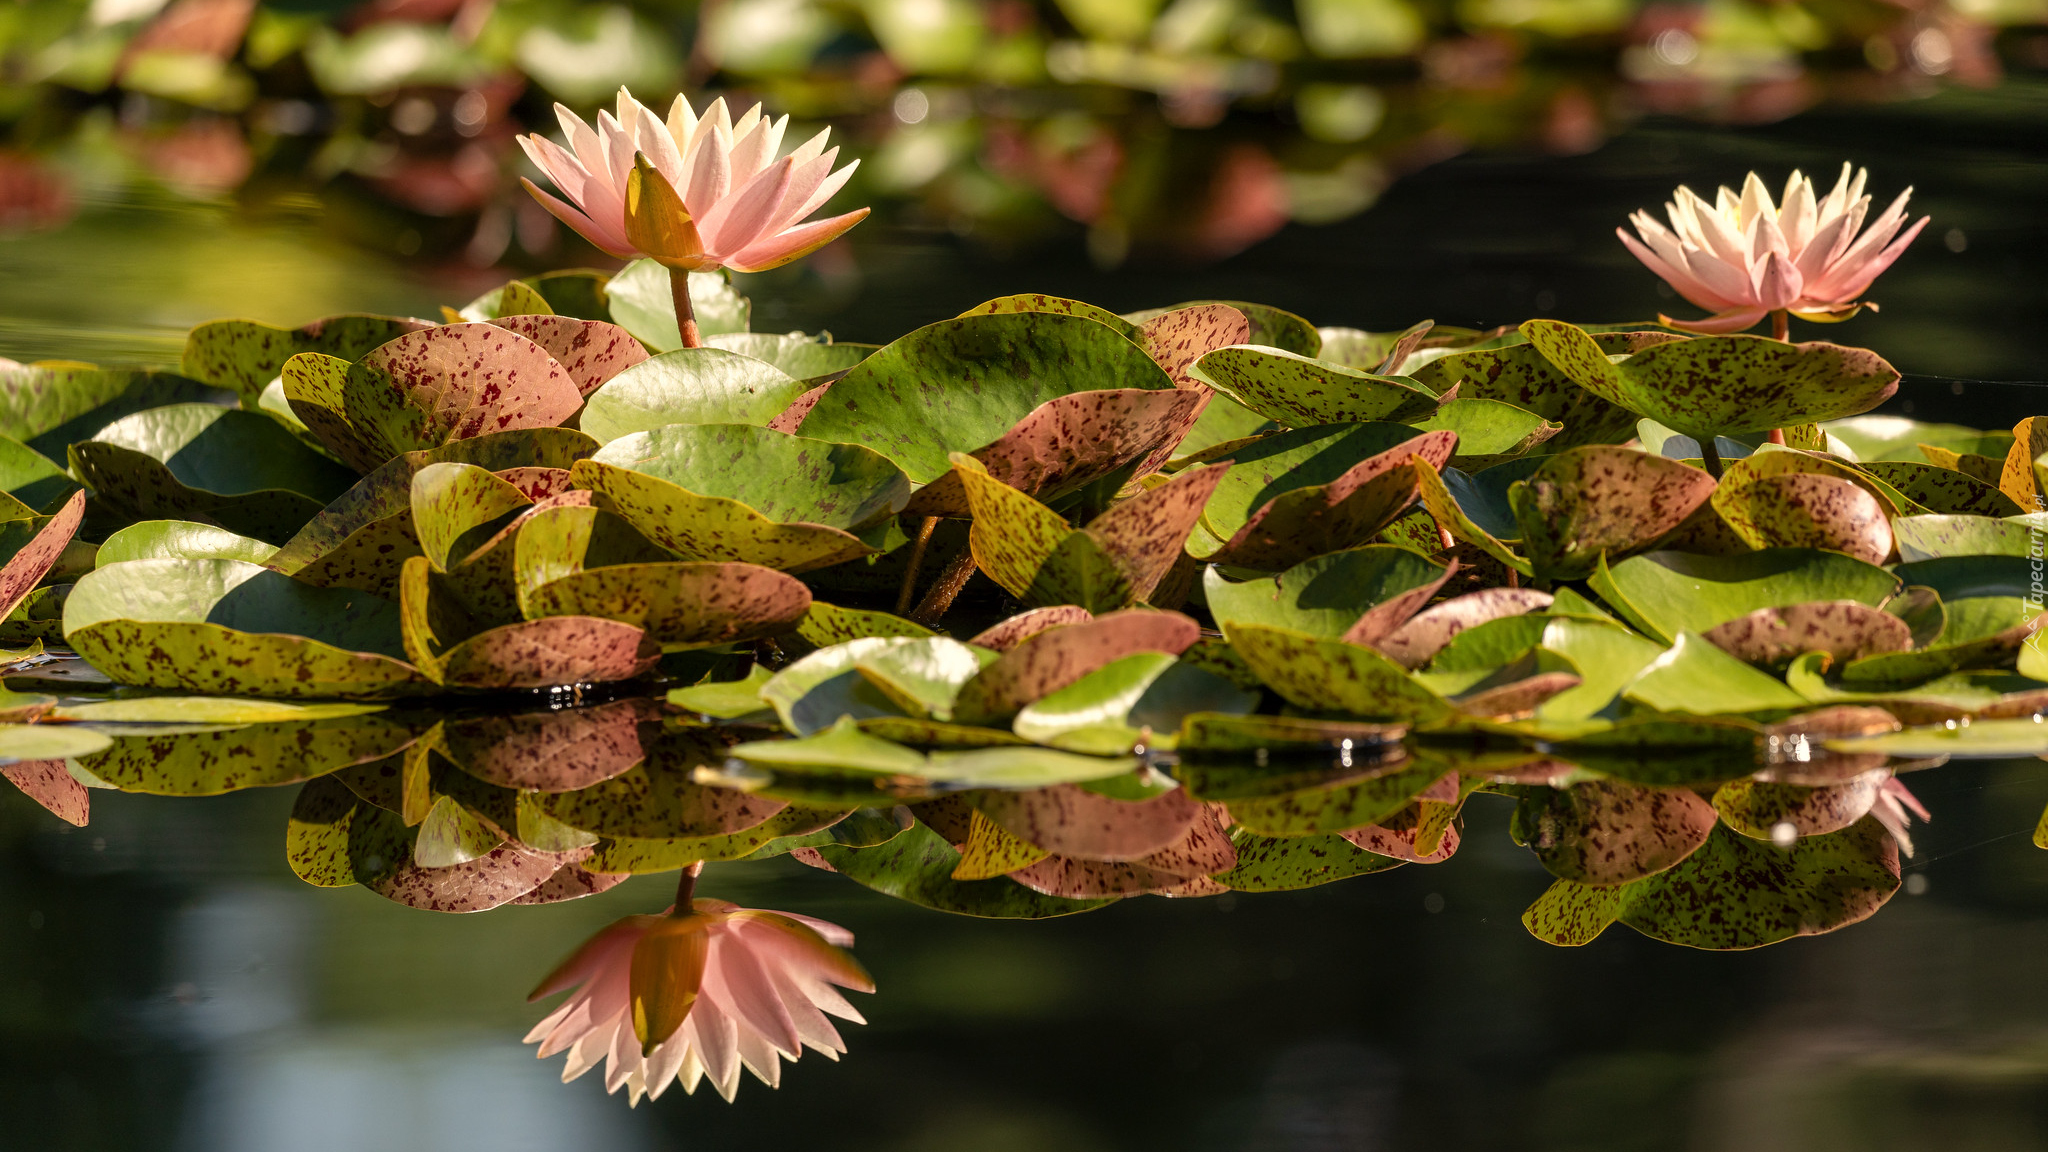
(708, 164)
(786, 246)
(585, 226)
(1799, 215)
(1778, 285)
(752, 149)
(682, 120)
(1718, 325)
(743, 217)
(1681, 281)
(1877, 265)
(825, 190)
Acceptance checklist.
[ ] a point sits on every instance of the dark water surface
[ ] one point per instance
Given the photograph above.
(165, 982)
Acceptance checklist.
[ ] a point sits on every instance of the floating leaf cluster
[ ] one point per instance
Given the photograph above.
(1028, 611)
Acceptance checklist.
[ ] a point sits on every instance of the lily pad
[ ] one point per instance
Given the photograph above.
(917, 867)
(427, 388)
(1595, 500)
(1299, 391)
(682, 605)
(1176, 340)
(1722, 384)
(1025, 302)
(1607, 832)
(1271, 326)
(240, 469)
(1117, 559)
(1140, 699)
(735, 492)
(1489, 431)
(689, 386)
(1429, 631)
(592, 352)
(1844, 629)
(228, 627)
(1337, 807)
(1293, 495)
(1007, 634)
(180, 540)
(1665, 593)
(1069, 820)
(50, 784)
(553, 751)
(37, 548)
(1933, 537)
(1327, 595)
(800, 356)
(1288, 863)
(1943, 490)
(958, 385)
(1333, 676)
(642, 303)
(1694, 677)
(244, 356)
(450, 649)
(1734, 893)
(1053, 659)
(880, 676)
(1519, 375)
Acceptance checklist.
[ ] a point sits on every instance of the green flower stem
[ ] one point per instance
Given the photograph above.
(686, 315)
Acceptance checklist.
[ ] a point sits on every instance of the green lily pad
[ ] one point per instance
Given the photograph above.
(456, 506)
(1519, 375)
(917, 867)
(1665, 593)
(642, 303)
(363, 538)
(1898, 438)
(31, 477)
(800, 356)
(180, 540)
(1454, 632)
(448, 646)
(1722, 384)
(827, 624)
(643, 855)
(228, 627)
(241, 469)
(512, 298)
(958, 385)
(1337, 807)
(1025, 302)
(1734, 893)
(1140, 699)
(1224, 421)
(1293, 495)
(1299, 391)
(28, 742)
(1968, 739)
(1288, 863)
(1588, 502)
(1759, 810)
(880, 676)
(244, 356)
(689, 386)
(1489, 431)
(1333, 676)
(1934, 537)
(450, 835)
(1944, 490)
(725, 699)
(427, 388)
(1977, 632)
(736, 492)
(563, 540)
(1694, 677)
(1119, 558)
(1327, 595)
(657, 799)
(1447, 509)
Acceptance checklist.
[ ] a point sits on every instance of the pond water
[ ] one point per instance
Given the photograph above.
(172, 985)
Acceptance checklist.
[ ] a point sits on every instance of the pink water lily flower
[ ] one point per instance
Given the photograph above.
(1743, 257)
(745, 204)
(700, 995)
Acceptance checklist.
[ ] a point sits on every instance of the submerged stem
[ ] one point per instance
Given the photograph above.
(1710, 455)
(686, 887)
(1781, 325)
(686, 313)
(909, 588)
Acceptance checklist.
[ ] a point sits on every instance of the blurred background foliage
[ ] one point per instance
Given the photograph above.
(1176, 130)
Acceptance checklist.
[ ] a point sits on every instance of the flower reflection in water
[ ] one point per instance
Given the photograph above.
(685, 997)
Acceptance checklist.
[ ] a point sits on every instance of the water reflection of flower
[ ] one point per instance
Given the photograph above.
(699, 995)
(1744, 257)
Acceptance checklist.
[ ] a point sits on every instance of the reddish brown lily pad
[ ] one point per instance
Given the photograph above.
(50, 783)
(1203, 850)
(551, 751)
(500, 876)
(590, 351)
(1068, 820)
(573, 882)
(1056, 657)
(1310, 521)
(1607, 832)
(1384, 617)
(1009, 633)
(681, 605)
(1070, 441)
(1806, 510)
(1845, 629)
(1602, 499)
(1424, 635)
(26, 568)
(1177, 339)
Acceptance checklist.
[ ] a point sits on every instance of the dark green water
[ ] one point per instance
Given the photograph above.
(169, 984)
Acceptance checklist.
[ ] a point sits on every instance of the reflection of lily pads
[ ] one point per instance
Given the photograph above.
(228, 627)
(208, 763)
(917, 867)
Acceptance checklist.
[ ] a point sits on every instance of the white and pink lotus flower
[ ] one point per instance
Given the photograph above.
(1743, 257)
(693, 192)
(697, 996)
